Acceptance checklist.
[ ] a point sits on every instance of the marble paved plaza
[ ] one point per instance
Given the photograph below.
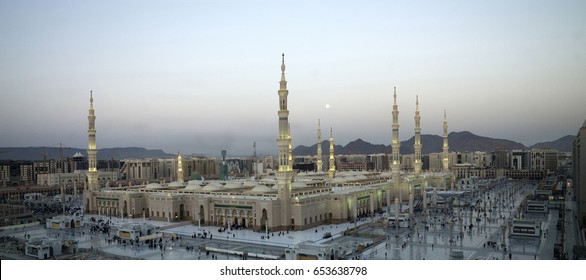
(428, 238)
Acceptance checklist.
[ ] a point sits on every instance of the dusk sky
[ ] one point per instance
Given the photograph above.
(202, 76)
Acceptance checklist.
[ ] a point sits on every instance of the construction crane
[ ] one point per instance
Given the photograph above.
(61, 150)
(112, 161)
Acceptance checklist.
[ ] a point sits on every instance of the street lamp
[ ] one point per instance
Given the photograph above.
(504, 229)
(451, 225)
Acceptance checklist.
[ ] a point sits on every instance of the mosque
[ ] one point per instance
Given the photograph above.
(289, 200)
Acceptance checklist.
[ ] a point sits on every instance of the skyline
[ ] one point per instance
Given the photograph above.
(201, 77)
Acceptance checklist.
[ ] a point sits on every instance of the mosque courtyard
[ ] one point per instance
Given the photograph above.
(434, 234)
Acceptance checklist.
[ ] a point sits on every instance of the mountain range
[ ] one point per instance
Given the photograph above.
(458, 141)
(40, 153)
(464, 141)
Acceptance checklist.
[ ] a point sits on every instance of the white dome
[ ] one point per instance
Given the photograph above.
(298, 185)
(386, 174)
(233, 185)
(154, 186)
(260, 189)
(212, 187)
(249, 184)
(193, 187)
(176, 184)
(339, 180)
(195, 182)
(269, 180)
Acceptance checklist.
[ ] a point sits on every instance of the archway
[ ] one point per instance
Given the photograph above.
(125, 209)
(72, 224)
(264, 219)
(201, 214)
(181, 211)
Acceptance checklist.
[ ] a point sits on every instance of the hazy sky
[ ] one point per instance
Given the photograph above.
(201, 76)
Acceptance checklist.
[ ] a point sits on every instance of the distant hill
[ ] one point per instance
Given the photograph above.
(563, 144)
(38, 153)
(458, 141)
(312, 150)
(468, 142)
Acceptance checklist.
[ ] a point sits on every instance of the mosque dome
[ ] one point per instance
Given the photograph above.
(260, 189)
(269, 181)
(153, 186)
(339, 180)
(176, 184)
(297, 185)
(232, 185)
(193, 187)
(249, 184)
(386, 174)
(214, 186)
(195, 183)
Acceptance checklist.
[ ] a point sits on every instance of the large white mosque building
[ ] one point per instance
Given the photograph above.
(286, 201)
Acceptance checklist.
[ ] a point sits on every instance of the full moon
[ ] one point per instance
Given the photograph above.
(327, 106)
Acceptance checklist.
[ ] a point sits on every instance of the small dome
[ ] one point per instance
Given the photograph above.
(339, 180)
(212, 187)
(176, 184)
(193, 187)
(298, 185)
(249, 184)
(153, 186)
(260, 189)
(233, 185)
(78, 155)
(195, 183)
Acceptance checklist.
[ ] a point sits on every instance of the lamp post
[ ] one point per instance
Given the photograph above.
(504, 229)
(397, 217)
(461, 220)
(451, 225)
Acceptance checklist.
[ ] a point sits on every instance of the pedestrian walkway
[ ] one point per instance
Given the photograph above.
(441, 234)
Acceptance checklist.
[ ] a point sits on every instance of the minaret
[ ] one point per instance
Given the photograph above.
(417, 144)
(285, 172)
(92, 152)
(395, 146)
(445, 160)
(319, 155)
(179, 168)
(332, 171)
